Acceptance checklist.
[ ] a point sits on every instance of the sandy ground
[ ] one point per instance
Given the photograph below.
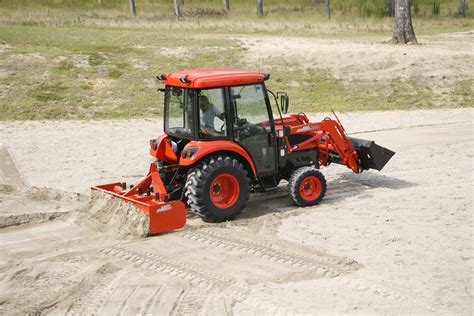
(396, 241)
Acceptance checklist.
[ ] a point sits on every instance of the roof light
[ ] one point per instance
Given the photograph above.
(184, 79)
(266, 77)
(161, 77)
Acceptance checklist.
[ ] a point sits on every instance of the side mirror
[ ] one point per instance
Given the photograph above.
(284, 102)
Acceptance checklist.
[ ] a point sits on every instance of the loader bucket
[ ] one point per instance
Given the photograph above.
(150, 197)
(371, 155)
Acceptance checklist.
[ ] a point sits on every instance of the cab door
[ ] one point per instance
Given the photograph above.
(253, 126)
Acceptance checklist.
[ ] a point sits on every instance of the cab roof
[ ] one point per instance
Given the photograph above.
(209, 78)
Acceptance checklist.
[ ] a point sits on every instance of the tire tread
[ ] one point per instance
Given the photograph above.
(296, 177)
(195, 184)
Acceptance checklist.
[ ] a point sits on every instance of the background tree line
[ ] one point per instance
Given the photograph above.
(368, 8)
(399, 9)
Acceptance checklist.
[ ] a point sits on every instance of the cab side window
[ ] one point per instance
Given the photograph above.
(212, 121)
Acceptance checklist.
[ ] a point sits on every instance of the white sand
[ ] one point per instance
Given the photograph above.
(75, 155)
(410, 226)
(396, 241)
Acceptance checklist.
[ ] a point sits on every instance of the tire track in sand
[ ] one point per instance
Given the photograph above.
(208, 291)
(91, 300)
(323, 265)
(157, 263)
(203, 285)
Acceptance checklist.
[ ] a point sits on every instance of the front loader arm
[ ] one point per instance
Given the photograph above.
(333, 145)
(331, 140)
(338, 142)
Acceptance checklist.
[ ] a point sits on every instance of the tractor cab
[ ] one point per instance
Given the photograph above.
(205, 106)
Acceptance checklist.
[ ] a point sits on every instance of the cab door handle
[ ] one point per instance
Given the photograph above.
(270, 137)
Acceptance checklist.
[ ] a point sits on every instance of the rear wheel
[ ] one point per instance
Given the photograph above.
(217, 189)
(307, 186)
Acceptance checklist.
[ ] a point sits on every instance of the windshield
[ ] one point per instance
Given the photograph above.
(178, 111)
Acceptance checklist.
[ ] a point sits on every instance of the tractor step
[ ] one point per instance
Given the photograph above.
(268, 183)
(371, 155)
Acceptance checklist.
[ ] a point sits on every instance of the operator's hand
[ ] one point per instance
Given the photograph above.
(239, 121)
(208, 131)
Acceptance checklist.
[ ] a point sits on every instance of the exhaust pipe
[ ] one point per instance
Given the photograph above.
(371, 155)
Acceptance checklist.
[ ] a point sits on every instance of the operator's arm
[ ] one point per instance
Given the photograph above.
(208, 131)
(218, 113)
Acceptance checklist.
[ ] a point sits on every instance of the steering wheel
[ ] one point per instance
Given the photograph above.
(241, 127)
(303, 117)
(238, 122)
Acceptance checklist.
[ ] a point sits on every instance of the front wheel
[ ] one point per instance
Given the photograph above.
(307, 186)
(217, 189)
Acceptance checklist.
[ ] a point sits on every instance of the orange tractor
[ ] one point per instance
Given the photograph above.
(227, 135)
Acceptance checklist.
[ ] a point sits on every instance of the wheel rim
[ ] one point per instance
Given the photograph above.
(310, 188)
(224, 190)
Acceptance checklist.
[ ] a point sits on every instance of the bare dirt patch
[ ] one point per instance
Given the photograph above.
(13, 64)
(438, 63)
(4, 47)
(80, 60)
(101, 84)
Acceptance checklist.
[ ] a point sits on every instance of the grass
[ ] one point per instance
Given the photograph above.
(162, 9)
(95, 59)
(464, 92)
(103, 73)
(322, 93)
(87, 59)
(115, 74)
(49, 92)
(303, 17)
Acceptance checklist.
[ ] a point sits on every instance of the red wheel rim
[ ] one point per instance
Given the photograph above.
(224, 190)
(310, 188)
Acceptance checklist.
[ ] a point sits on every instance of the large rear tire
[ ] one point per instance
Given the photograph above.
(307, 186)
(217, 189)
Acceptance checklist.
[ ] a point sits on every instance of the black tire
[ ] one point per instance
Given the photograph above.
(198, 186)
(316, 186)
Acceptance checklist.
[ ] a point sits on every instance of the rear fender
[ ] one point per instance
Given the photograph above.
(204, 149)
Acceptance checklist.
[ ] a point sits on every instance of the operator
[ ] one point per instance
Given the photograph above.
(207, 114)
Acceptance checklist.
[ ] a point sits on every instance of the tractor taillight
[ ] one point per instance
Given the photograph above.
(188, 153)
